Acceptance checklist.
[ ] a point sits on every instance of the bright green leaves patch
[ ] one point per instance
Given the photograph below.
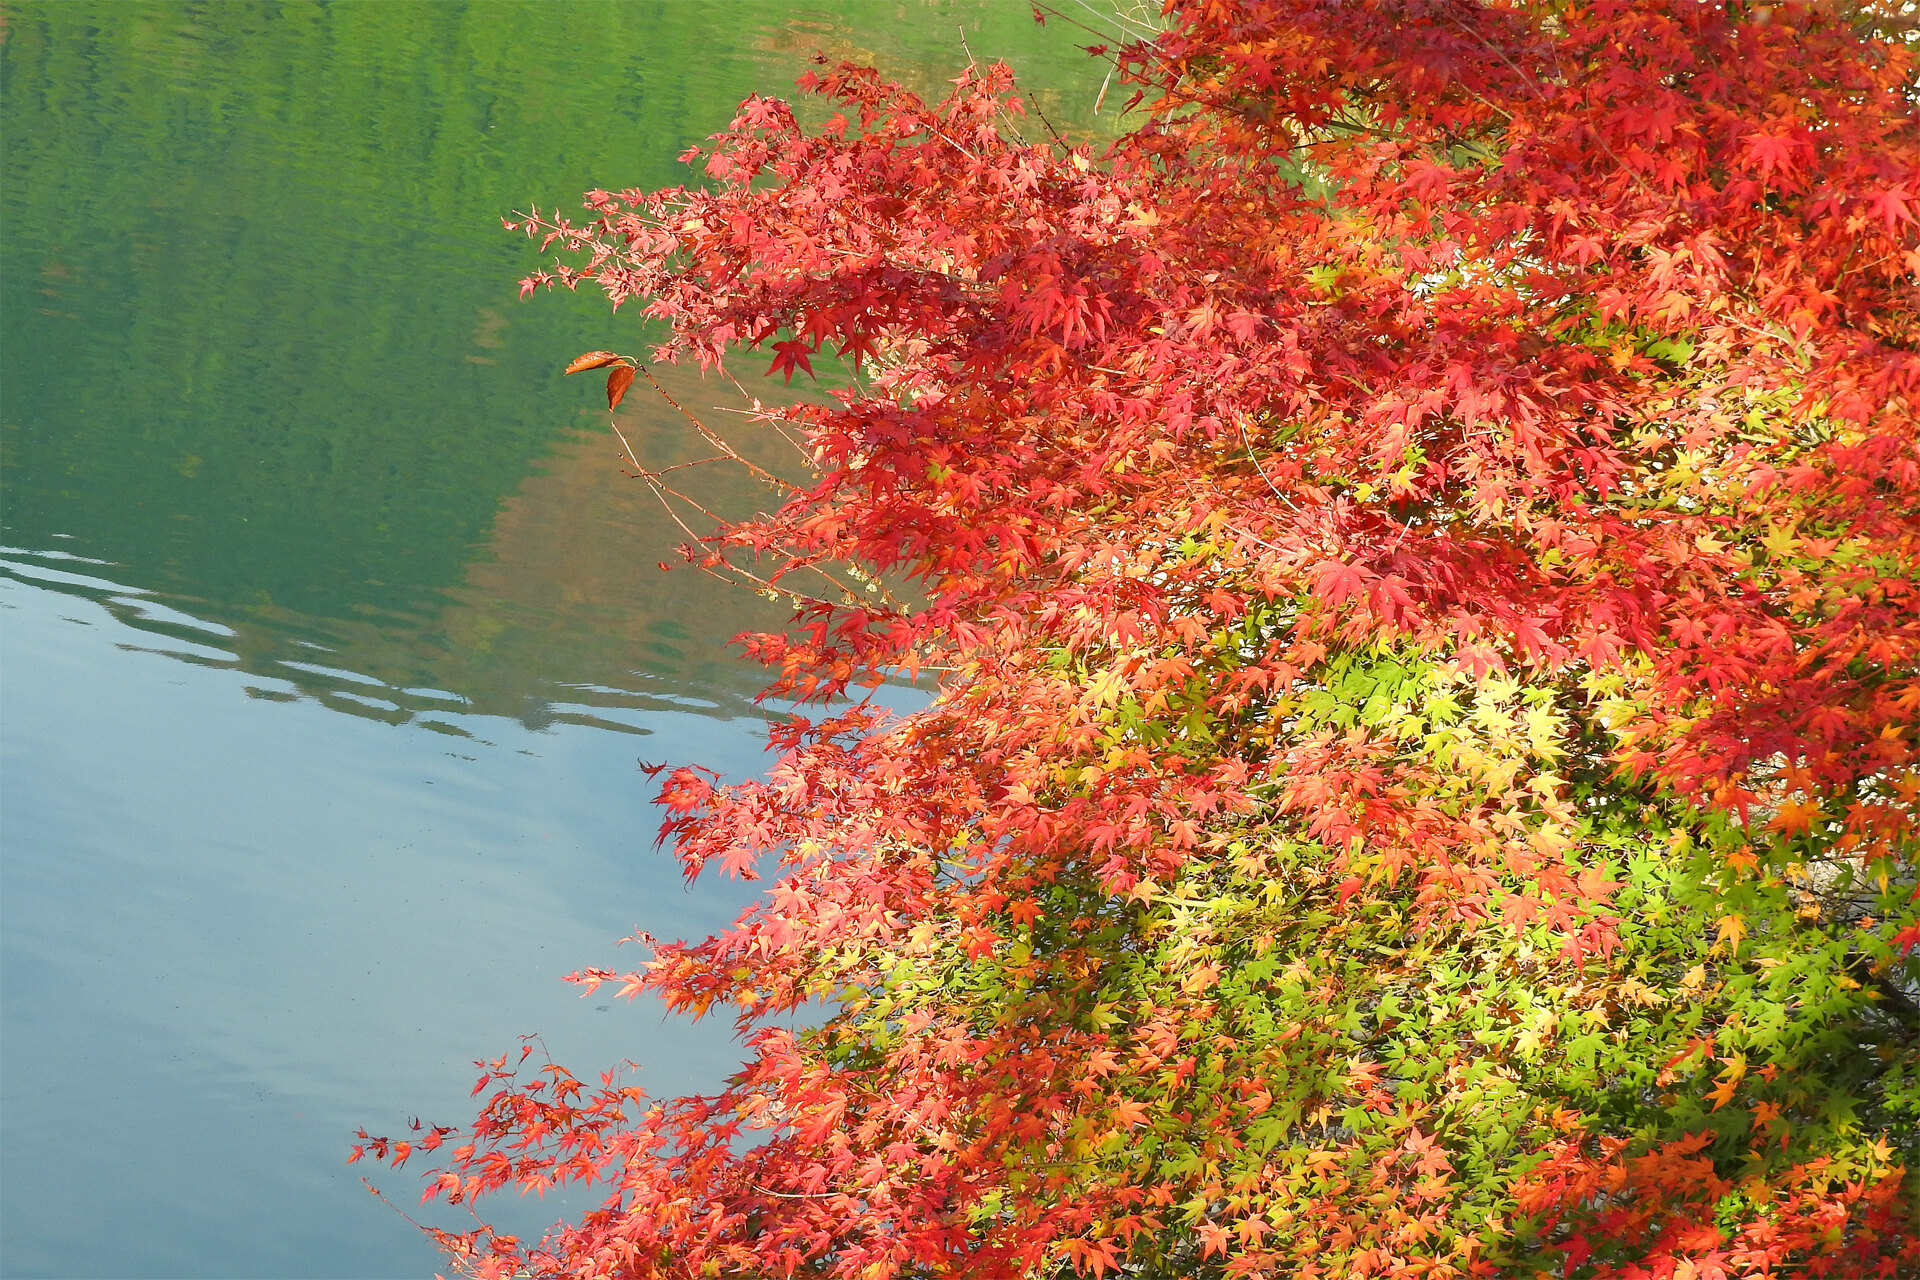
(1280, 1028)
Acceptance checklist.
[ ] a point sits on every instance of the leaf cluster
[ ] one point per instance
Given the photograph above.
(1418, 543)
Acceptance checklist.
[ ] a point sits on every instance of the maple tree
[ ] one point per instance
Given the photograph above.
(1418, 546)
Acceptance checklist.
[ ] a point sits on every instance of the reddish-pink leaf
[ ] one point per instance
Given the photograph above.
(790, 355)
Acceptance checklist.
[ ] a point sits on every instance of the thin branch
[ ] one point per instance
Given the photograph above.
(1058, 140)
(755, 400)
(707, 433)
(626, 446)
(796, 1195)
(1255, 459)
(849, 595)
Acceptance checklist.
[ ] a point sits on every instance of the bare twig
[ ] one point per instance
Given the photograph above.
(711, 437)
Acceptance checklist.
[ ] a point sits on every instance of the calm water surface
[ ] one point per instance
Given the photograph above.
(330, 632)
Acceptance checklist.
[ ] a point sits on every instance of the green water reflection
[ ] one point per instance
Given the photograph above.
(264, 356)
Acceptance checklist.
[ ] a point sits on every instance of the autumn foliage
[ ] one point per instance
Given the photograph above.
(1418, 545)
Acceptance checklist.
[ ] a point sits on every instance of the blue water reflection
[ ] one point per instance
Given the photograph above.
(236, 927)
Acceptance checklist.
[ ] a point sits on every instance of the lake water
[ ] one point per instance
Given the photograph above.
(330, 630)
